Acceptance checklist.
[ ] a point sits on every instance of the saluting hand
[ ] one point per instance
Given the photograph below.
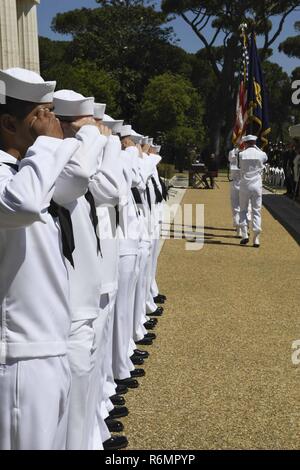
(104, 130)
(127, 142)
(140, 150)
(146, 148)
(79, 123)
(46, 124)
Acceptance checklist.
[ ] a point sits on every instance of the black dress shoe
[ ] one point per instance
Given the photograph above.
(149, 325)
(119, 412)
(245, 241)
(121, 389)
(114, 425)
(150, 336)
(158, 300)
(141, 353)
(138, 373)
(145, 342)
(137, 360)
(162, 296)
(117, 400)
(153, 321)
(129, 382)
(157, 313)
(115, 443)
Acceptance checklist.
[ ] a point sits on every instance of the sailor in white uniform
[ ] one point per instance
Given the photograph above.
(35, 238)
(157, 213)
(109, 190)
(74, 110)
(251, 163)
(129, 233)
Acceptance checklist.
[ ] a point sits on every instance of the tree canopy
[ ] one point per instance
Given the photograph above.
(172, 104)
(291, 46)
(124, 48)
(224, 19)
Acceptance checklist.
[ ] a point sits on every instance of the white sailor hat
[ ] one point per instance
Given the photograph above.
(25, 85)
(150, 141)
(126, 131)
(137, 138)
(249, 138)
(145, 140)
(71, 104)
(114, 124)
(157, 148)
(99, 110)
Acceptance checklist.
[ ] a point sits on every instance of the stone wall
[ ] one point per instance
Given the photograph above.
(19, 34)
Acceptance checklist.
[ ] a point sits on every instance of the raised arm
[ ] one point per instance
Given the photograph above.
(74, 180)
(25, 195)
(106, 185)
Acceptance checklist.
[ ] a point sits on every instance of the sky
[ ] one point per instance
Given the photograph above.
(188, 40)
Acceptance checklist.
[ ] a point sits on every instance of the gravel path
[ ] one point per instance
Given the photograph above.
(220, 374)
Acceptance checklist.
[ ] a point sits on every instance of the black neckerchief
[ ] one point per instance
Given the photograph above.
(158, 195)
(136, 196)
(66, 227)
(148, 197)
(90, 199)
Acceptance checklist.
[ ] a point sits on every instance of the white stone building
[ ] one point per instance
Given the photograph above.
(19, 34)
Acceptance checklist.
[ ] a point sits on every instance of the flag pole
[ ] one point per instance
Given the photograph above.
(241, 102)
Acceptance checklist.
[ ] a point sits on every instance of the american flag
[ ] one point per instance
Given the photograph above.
(241, 104)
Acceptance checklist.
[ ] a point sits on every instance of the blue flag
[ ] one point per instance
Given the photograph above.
(258, 113)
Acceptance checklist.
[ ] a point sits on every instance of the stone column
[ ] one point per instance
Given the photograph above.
(9, 44)
(28, 34)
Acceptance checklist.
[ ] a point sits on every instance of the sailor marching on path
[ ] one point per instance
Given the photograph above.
(246, 168)
(251, 163)
(80, 221)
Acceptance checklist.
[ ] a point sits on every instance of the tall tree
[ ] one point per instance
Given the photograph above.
(291, 46)
(173, 106)
(129, 39)
(224, 18)
(279, 88)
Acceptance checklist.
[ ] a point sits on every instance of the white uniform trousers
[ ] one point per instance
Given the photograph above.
(98, 376)
(139, 330)
(34, 403)
(109, 383)
(154, 288)
(132, 347)
(252, 192)
(101, 432)
(123, 319)
(235, 201)
(150, 304)
(82, 348)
